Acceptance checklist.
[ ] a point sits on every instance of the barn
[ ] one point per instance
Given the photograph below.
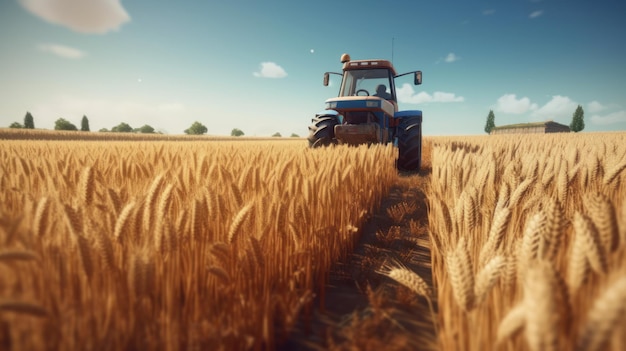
(527, 128)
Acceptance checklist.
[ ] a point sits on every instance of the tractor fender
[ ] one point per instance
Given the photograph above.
(408, 113)
(327, 113)
(330, 113)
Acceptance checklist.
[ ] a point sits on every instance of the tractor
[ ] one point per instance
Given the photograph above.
(366, 112)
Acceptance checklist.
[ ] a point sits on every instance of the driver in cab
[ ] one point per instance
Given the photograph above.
(381, 92)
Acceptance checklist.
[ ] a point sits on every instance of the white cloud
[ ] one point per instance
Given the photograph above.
(558, 106)
(84, 16)
(535, 14)
(62, 51)
(611, 118)
(489, 12)
(406, 94)
(509, 103)
(270, 70)
(451, 57)
(595, 107)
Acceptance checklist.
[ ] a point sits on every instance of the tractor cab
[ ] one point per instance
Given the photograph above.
(366, 111)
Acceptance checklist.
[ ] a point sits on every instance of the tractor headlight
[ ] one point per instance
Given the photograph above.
(372, 104)
(331, 105)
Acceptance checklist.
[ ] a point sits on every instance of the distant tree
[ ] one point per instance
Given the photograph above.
(16, 125)
(146, 129)
(578, 120)
(29, 123)
(236, 132)
(276, 135)
(103, 130)
(490, 122)
(63, 124)
(84, 124)
(196, 128)
(294, 135)
(122, 128)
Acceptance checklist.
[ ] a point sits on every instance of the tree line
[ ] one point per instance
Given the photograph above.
(196, 127)
(577, 124)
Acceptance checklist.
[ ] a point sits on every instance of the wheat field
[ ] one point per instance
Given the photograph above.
(174, 245)
(528, 241)
(227, 245)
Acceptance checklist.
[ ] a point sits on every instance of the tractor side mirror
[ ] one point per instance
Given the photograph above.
(326, 79)
(417, 80)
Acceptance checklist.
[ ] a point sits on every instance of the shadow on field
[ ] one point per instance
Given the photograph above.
(362, 308)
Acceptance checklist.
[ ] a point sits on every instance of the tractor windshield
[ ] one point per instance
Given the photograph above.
(364, 82)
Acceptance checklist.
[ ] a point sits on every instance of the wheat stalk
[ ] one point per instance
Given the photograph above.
(23, 307)
(18, 255)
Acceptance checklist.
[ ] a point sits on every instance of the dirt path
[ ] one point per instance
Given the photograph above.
(363, 309)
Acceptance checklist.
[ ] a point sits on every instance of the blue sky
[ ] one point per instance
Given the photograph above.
(258, 65)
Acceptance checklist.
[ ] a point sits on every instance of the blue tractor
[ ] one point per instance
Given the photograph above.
(366, 112)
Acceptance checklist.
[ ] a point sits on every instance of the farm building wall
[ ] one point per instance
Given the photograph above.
(532, 128)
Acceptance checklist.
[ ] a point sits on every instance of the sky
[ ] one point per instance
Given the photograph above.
(258, 65)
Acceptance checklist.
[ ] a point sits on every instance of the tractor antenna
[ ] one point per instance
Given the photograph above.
(392, 39)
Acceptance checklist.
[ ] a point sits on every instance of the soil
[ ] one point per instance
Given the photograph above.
(362, 309)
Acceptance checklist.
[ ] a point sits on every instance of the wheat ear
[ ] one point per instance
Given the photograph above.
(461, 276)
(410, 280)
(613, 173)
(531, 241)
(578, 265)
(122, 222)
(584, 227)
(542, 324)
(496, 234)
(40, 222)
(512, 323)
(553, 231)
(87, 186)
(605, 318)
(488, 277)
(238, 220)
(220, 273)
(603, 216)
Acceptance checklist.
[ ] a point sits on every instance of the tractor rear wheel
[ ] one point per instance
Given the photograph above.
(322, 131)
(410, 144)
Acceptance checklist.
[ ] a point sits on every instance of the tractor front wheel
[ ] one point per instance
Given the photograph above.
(322, 131)
(410, 144)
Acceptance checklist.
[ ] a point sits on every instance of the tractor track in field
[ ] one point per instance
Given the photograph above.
(361, 309)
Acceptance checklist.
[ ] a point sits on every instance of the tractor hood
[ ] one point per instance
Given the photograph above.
(360, 103)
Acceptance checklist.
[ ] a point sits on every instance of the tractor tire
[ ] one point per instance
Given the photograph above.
(322, 131)
(410, 144)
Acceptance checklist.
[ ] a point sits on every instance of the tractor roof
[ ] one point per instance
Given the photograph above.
(368, 64)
